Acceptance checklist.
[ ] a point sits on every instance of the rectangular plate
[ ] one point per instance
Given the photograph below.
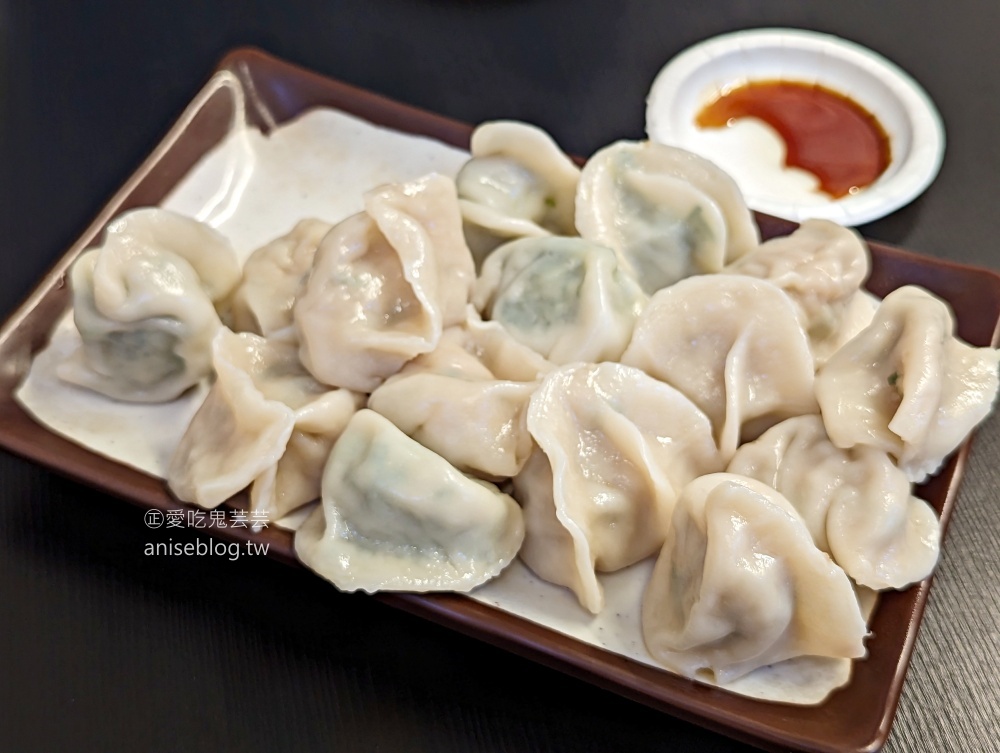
(854, 718)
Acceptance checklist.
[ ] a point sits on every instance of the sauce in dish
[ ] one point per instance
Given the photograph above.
(825, 132)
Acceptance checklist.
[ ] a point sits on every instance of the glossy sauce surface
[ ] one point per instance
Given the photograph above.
(825, 132)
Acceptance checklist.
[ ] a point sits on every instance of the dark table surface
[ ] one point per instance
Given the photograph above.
(105, 649)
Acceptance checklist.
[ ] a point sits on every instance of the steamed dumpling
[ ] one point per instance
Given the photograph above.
(907, 385)
(265, 423)
(152, 229)
(740, 584)
(734, 346)
(384, 284)
(144, 304)
(467, 399)
(821, 266)
(614, 449)
(272, 278)
(566, 298)
(397, 517)
(856, 503)
(666, 212)
(517, 184)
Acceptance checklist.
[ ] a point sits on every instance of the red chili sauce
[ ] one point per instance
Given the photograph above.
(826, 133)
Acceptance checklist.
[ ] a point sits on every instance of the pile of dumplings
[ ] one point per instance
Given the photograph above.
(581, 367)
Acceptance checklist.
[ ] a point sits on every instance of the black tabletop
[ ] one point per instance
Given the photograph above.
(106, 649)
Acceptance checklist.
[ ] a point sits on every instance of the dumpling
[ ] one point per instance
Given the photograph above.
(734, 346)
(423, 215)
(857, 314)
(272, 278)
(504, 356)
(907, 385)
(821, 266)
(740, 584)
(486, 229)
(517, 184)
(397, 517)
(856, 503)
(668, 213)
(615, 446)
(384, 284)
(467, 399)
(144, 304)
(265, 423)
(566, 298)
(151, 229)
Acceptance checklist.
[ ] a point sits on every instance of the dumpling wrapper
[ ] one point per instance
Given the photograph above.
(209, 253)
(566, 298)
(821, 266)
(615, 447)
(666, 212)
(144, 304)
(856, 503)
(467, 400)
(907, 385)
(384, 284)
(486, 229)
(740, 584)
(397, 517)
(536, 151)
(734, 346)
(265, 423)
(272, 278)
(518, 184)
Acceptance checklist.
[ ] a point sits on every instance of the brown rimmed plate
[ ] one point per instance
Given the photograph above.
(854, 718)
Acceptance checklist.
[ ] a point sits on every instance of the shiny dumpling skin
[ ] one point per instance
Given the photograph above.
(614, 449)
(424, 214)
(821, 266)
(566, 298)
(145, 320)
(518, 183)
(153, 229)
(856, 503)
(504, 357)
(145, 324)
(667, 212)
(265, 423)
(361, 314)
(272, 277)
(734, 346)
(486, 229)
(907, 385)
(857, 314)
(739, 584)
(397, 517)
(451, 401)
(320, 415)
(502, 186)
(384, 284)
